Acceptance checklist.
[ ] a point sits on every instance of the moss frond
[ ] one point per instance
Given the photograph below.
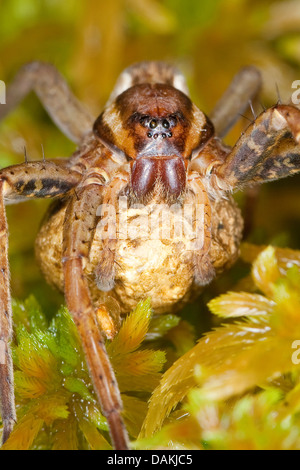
(56, 404)
(249, 354)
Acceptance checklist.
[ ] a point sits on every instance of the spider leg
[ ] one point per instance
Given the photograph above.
(268, 150)
(18, 183)
(203, 269)
(243, 88)
(66, 111)
(80, 217)
(40, 179)
(104, 272)
(6, 369)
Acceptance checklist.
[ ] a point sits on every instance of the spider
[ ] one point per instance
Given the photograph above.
(151, 147)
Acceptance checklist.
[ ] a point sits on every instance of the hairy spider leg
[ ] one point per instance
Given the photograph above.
(19, 183)
(243, 88)
(66, 111)
(81, 215)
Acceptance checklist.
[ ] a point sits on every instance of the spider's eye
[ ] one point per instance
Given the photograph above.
(166, 124)
(153, 124)
(143, 120)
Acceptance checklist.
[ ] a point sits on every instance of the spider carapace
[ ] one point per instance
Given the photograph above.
(142, 208)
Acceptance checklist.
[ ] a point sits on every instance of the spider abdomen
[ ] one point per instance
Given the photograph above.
(159, 266)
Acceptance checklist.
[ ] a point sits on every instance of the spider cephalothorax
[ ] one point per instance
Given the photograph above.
(144, 206)
(159, 129)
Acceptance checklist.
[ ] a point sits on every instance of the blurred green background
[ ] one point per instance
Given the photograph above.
(91, 41)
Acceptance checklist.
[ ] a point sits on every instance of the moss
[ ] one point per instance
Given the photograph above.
(238, 387)
(56, 404)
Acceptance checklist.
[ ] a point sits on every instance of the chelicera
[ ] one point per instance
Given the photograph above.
(152, 147)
